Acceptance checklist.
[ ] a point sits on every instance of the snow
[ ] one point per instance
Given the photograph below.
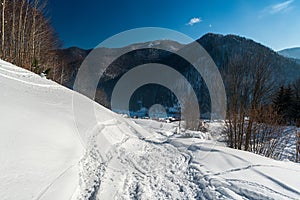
(44, 156)
(290, 144)
(39, 151)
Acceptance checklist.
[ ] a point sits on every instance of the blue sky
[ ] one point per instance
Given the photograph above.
(274, 23)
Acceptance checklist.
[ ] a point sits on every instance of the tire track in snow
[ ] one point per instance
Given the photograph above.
(31, 83)
(44, 191)
(240, 191)
(17, 72)
(240, 169)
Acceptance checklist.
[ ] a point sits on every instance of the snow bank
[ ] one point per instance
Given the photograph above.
(39, 146)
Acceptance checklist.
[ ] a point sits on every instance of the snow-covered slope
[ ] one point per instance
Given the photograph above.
(43, 156)
(39, 148)
(291, 53)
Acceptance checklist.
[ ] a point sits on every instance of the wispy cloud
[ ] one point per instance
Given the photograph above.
(280, 7)
(194, 20)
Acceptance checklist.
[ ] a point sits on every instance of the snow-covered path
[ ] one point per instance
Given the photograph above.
(43, 156)
(193, 168)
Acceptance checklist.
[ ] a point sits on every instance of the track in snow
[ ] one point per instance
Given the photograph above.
(142, 168)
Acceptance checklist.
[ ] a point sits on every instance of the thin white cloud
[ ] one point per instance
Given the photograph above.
(280, 7)
(194, 20)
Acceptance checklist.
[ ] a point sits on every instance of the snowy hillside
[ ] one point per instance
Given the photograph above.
(291, 53)
(38, 143)
(44, 156)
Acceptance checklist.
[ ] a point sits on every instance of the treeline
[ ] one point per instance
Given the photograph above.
(27, 35)
(257, 106)
(287, 104)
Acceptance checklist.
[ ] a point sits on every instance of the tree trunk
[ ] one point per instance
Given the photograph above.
(3, 29)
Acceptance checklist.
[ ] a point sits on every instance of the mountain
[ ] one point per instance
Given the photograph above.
(293, 53)
(68, 61)
(231, 47)
(224, 50)
(53, 147)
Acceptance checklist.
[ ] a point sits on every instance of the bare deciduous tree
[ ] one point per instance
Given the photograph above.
(31, 35)
(3, 7)
(298, 147)
(251, 124)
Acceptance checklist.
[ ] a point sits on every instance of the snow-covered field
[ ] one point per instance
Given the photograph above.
(43, 156)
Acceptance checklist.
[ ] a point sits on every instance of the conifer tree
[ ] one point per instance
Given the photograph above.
(283, 104)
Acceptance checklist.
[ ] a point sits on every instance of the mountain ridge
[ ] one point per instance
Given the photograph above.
(222, 49)
(293, 52)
